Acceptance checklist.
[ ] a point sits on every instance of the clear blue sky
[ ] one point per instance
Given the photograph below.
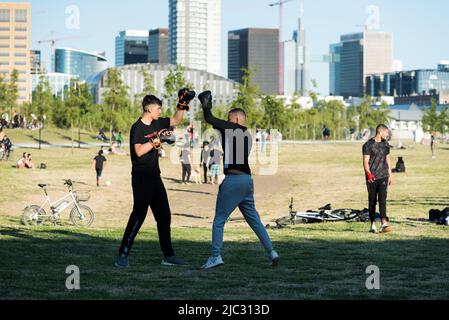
(421, 28)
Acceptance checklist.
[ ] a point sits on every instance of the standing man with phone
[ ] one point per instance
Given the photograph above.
(378, 172)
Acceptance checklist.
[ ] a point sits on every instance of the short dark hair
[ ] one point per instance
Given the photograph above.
(238, 111)
(381, 127)
(150, 100)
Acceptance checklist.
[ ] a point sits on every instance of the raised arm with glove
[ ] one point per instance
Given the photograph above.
(185, 97)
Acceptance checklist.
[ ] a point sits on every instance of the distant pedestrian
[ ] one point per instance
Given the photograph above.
(205, 155)
(432, 146)
(99, 164)
(119, 139)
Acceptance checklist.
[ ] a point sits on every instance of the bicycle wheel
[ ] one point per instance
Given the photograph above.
(82, 218)
(33, 216)
(284, 221)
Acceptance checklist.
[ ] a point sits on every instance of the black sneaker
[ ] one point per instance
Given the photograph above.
(173, 261)
(122, 261)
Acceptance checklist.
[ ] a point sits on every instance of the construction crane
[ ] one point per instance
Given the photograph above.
(280, 4)
(52, 42)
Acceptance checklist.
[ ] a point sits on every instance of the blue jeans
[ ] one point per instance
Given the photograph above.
(237, 191)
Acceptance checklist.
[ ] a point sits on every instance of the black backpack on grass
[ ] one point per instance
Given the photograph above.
(438, 215)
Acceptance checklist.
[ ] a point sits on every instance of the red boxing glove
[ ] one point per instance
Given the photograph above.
(370, 176)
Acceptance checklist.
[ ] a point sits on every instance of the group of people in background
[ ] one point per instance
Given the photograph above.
(210, 164)
(20, 121)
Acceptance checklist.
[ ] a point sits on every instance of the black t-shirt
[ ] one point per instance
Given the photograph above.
(378, 152)
(205, 154)
(141, 134)
(99, 161)
(236, 143)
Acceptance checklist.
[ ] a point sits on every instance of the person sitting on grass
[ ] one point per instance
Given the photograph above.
(21, 162)
(29, 162)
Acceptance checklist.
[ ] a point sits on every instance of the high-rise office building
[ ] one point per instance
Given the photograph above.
(131, 47)
(334, 69)
(295, 63)
(35, 61)
(290, 67)
(158, 46)
(258, 51)
(15, 45)
(195, 34)
(302, 63)
(362, 54)
(79, 63)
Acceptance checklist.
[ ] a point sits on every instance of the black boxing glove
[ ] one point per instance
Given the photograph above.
(155, 140)
(185, 97)
(206, 99)
(167, 136)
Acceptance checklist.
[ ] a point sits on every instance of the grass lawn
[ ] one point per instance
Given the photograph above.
(326, 261)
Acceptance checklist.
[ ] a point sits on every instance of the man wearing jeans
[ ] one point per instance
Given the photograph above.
(237, 190)
(378, 171)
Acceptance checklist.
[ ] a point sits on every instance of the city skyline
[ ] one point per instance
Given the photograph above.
(416, 27)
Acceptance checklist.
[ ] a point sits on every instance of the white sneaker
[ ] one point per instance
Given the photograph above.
(386, 229)
(274, 258)
(213, 262)
(373, 229)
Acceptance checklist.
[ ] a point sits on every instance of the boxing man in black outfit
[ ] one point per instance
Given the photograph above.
(146, 138)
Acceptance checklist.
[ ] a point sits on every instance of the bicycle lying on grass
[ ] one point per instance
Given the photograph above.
(324, 214)
(80, 215)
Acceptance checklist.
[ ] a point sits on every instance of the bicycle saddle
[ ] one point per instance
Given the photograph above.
(326, 207)
(43, 185)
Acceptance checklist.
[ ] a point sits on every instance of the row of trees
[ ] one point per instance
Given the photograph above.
(298, 123)
(118, 111)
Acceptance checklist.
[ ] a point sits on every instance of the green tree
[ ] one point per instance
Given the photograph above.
(174, 82)
(381, 115)
(275, 114)
(42, 102)
(12, 92)
(148, 88)
(247, 100)
(117, 102)
(3, 93)
(443, 121)
(220, 112)
(430, 118)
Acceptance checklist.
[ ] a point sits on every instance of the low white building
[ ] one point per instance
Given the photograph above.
(224, 90)
(406, 123)
(59, 82)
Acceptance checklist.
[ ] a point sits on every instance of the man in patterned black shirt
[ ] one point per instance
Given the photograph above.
(378, 171)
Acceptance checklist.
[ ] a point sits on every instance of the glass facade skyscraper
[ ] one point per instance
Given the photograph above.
(79, 63)
(361, 54)
(256, 50)
(407, 83)
(334, 69)
(158, 46)
(131, 47)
